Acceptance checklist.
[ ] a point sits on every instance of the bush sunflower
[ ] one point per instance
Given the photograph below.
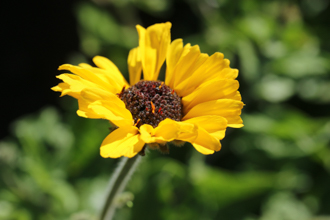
(197, 102)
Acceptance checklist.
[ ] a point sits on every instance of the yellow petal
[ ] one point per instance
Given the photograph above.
(202, 149)
(187, 65)
(97, 103)
(228, 73)
(237, 96)
(211, 90)
(210, 129)
(112, 112)
(224, 73)
(210, 123)
(124, 141)
(203, 141)
(72, 85)
(86, 75)
(181, 63)
(153, 44)
(206, 143)
(112, 70)
(166, 131)
(188, 131)
(84, 65)
(147, 133)
(64, 88)
(227, 108)
(96, 94)
(114, 85)
(236, 122)
(220, 71)
(218, 134)
(206, 140)
(213, 65)
(172, 58)
(207, 69)
(134, 66)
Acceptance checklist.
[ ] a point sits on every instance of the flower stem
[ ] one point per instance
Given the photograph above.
(117, 184)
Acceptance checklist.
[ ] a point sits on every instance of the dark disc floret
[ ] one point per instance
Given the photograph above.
(150, 102)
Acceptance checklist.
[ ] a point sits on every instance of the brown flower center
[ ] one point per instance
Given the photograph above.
(150, 102)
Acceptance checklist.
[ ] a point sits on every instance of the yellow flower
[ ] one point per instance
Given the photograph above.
(197, 102)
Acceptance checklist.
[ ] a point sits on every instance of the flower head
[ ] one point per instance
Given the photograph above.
(197, 102)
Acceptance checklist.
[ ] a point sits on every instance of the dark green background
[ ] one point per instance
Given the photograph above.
(276, 167)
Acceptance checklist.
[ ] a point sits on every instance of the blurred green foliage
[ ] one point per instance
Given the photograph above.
(276, 167)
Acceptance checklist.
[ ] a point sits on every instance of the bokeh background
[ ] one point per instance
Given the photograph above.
(276, 167)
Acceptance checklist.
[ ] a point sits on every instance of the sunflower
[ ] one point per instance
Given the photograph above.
(197, 102)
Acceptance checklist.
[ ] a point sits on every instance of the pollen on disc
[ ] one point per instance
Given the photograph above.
(150, 102)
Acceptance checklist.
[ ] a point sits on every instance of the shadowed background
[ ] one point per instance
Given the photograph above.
(276, 167)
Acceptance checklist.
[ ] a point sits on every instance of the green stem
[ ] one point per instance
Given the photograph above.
(117, 184)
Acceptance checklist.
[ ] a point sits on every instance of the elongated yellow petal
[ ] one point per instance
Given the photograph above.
(64, 88)
(203, 141)
(119, 116)
(134, 66)
(182, 62)
(202, 149)
(98, 103)
(112, 70)
(96, 111)
(188, 131)
(175, 67)
(218, 72)
(236, 122)
(84, 65)
(147, 132)
(85, 74)
(218, 134)
(237, 96)
(166, 131)
(124, 141)
(172, 58)
(210, 123)
(96, 94)
(195, 68)
(207, 141)
(210, 90)
(210, 68)
(153, 44)
(210, 129)
(115, 85)
(227, 108)
(187, 65)
(72, 85)
(228, 73)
